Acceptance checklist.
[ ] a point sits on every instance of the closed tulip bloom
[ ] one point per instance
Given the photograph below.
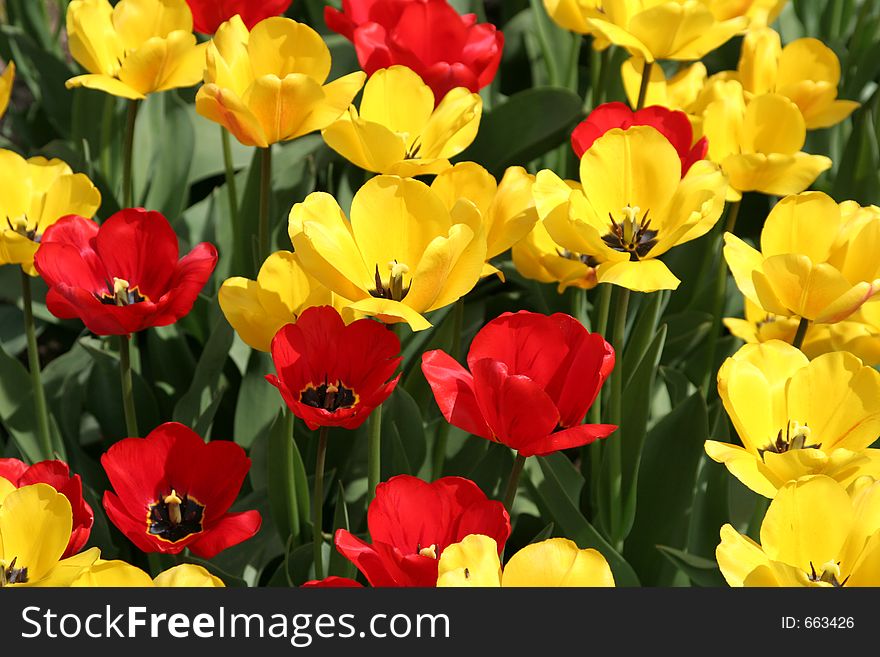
(555, 562)
(758, 144)
(270, 84)
(806, 71)
(445, 49)
(37, 193)
(119, 574)
(539, 258)
(258, 309)
(35, 525)
(121, 277)
(507, 207)
(632, 207)
(812, 264)
(208, 15)
(172, 491)
(56, 474)
(406, 136)
(333, 375)
(651, 29)
(797, 417)
(7, 79)
(136, 48)
(401, 255)
(814, 534)
(530, 381)
(411, 523)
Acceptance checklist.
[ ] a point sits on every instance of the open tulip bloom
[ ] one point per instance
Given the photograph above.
(269, 84)
(123, 276)
(56, 474)
(412, 522)
(135, 48)
(208, 15)
(171, 491)
(333, 375)
(445, 49)
(532, 380)
(814, 534)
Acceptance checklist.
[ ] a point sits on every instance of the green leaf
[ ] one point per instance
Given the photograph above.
(207, 381)
(702, 572)
(258, 402)
(174, 144)
(549, 492)
(404, 445)
(525, 127)
(339, 565)
(666, 482)
(287, 482)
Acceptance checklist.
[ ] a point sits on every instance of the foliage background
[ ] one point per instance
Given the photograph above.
(199, 373)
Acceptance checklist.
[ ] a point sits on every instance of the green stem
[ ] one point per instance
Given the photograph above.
(718, 304)
(803, 325)
(265, 199)
(643, 87)
(107, 135)
(40, 406)
(544, 42)
(127, 388)
(128, 154)
(374, 458)
(595, 414)
(230, 175)
(318, 504)
(615, 480)
(513, 482)
(438, 459)
(290, 483)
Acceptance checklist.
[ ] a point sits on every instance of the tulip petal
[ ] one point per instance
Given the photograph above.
(453, 388)
(557, 562)
(738, 556)
(231, 529)
(106, 84)
(473, 562)
(640, 276)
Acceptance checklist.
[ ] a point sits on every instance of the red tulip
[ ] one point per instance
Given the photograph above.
(330, 374)
(208, 15)
(447, 50)
(411, 522)
(57, 475)
(673, 125)
(530, 375)
(173, 491)
(123, 276)
(332, 582)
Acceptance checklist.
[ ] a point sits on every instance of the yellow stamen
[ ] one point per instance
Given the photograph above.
(398, 271)
(830, 572)
(20, 225)
(630, 223)
(174, 502)
(799, 434)
(430, 552)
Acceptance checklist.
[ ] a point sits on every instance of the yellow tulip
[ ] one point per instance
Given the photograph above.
(814, 534)
(267, 85)
(6, 82)
(398, 130)
(37, 193)
(680, 92)
(651, 29)
(556, 562)
(859, 334)
(119, 574)
(401, 255)
(632, 206)
(806, 71)
(759, 12)
(507, 208)
(258, 309)
(539, 258)
(797, 417)
(758, 144)
(813, 264)
(35, 526)
(137, 48)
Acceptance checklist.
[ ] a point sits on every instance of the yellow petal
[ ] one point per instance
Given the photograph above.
(453, 125)
(69, 194)
(807, 223)
(472, 562)
(113, 574)
(397, 98)
(280, 47)
(621, 37)
(743, 261)
(642, 276)
(7, 80)
(557, 562)
(723, 118)
(695, 207)
(759, 60)
(683, 31)
(281, 106)
(106, 84)
(15, 179)
(67, 571)
(92, 39)
(512, 214)
(808, 59)
(390, 312)
(796, 529)
(337, 98)
(223, 106)
(775, 173)
(773, 124)
(745, 466)
(371, 146)
(138, 21)
(187, 575)
(738, 556)
(227, 62)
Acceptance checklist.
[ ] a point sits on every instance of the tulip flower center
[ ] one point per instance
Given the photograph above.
(631, 235)
(329, 396)
(430, 551)
(173, 517)
(587, 260)
(796, 436)
(395, 288)
(121, 293)
(20, 225)
(9, 574)
(830, 574)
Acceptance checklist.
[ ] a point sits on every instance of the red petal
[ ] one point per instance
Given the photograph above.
(602, 119)
(583, 434)
(67, 255)
(12, 469)
(136, 468)
(229, 530)
(364, 557)
(453, 388)
(190, 276)
(332, 582)
(135, 528)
